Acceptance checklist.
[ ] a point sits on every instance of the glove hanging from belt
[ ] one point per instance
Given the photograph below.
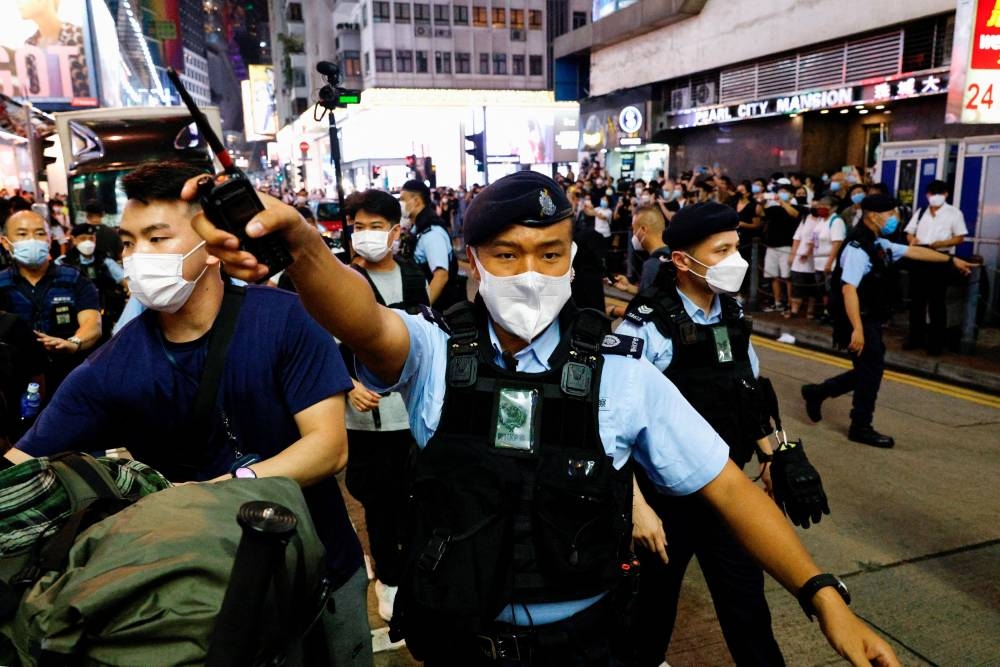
(798, 489)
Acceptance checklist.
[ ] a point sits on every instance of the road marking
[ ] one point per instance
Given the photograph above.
(902, 378)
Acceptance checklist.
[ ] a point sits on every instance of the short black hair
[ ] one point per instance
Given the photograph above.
(937, 188)
(18, 203)
(305, 212)
(383, 204)
(93, 207)
(878, 189)
(161, 181)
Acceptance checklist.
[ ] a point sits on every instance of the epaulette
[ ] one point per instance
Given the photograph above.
(623, 346)
(434, 317)
(855, 243)
(639, 312)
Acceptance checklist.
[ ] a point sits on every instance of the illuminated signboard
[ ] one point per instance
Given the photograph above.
(975, 63)
(260, 111)
(46, 53)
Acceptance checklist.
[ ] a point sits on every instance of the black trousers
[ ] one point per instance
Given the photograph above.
(377, 464)
(928, 287)
(734, 579)
(864, 379)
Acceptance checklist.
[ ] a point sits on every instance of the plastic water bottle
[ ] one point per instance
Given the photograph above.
(31, 402)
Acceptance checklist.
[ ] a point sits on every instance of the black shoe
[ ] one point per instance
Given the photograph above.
(814, 401)
(867, 435)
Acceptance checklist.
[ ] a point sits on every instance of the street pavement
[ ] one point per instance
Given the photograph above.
(914, 530)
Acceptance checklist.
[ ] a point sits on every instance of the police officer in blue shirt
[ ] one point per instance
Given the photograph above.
(861, 303)
(695, 333)
(433, 252)
(527, 413)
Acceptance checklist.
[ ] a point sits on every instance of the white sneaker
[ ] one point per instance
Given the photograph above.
(386, 596)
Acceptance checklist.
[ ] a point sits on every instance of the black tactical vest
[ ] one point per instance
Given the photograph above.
(721, 388)
(877, 291)
(414, 286)
(496, 524)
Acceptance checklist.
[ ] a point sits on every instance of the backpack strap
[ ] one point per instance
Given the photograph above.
(463, 345)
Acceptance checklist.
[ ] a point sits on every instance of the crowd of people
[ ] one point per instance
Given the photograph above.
(528, 512)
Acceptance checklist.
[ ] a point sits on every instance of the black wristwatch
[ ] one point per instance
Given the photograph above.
(811, 587)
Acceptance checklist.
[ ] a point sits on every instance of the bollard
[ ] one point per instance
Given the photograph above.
(754, 276)
(968, 343)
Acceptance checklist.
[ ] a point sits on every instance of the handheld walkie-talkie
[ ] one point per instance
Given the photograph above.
(231, 204)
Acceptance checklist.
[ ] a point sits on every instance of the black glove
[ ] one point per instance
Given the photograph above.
(798, 490)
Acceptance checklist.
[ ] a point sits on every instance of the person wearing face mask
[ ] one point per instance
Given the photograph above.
(378, 431)
(940, 226)
(852, 214)
(860, 304)
(106, 274)
(695, 333)
(433, 252)
(526, 410)
(780, 222)
(751, 215)
(57, 302)
(277, 408)
(647, 236)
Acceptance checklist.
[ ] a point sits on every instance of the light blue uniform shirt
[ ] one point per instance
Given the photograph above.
(433, 248)
(855, 264)
(640, 413)
(660, 350)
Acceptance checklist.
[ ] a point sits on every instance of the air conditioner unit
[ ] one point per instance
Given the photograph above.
(517, 35)
(680, 98)
(422, 31)
(704, 94)
(442, 32)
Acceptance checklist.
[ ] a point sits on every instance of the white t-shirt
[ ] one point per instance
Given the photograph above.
(825, 234)
(802, 262)
(602, 221)
(931, 227)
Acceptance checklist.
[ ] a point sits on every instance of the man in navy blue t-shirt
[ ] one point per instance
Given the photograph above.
(280, 398)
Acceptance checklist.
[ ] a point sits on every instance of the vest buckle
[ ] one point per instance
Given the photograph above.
(462, 370)
(576, 379)
(434, 552)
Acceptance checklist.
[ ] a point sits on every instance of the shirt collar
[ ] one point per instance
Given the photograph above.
(697, 314)
(535, 357)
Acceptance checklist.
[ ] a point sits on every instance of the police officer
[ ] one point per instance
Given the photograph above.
(59, 303)
(433, 252)
(526, 413)
(106, 274)
(860, 304)
(695, 333)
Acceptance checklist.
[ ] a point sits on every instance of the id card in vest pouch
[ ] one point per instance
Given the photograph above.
(515, 426)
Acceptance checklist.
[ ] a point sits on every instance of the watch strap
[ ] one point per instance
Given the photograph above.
(813, 586)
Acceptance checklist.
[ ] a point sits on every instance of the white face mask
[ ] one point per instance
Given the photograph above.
(372, 244)
(86, 248)
(157, 281)
(726, 277)
(636, 243)
(525, 304)
(936, 200)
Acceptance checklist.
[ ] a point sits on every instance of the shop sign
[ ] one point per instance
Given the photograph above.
(630, 120)
(614, 120)
(975, 63)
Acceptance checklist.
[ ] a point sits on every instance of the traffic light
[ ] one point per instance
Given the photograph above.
(478, 150)
(48, 152)
(411, 163)
(302, 174)
(430, 172)
(376, 172)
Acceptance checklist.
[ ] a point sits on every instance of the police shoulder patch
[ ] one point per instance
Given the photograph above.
(639, 312)
(625, 346)
(434, 317)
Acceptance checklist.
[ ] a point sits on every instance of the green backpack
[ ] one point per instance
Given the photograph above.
(146, 584)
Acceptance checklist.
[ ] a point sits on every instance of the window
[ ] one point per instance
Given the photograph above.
(368, 64)
(421, 62)
(383, 60)
(463, 63)
(479, 17)
(499, 63)
(422, 13)
(364, 16)
(517, 65)
(294, 11)
(380, 11)
(460, 15)
(442, 62)
(441, 15)
(535, 65)
(484, 63)
(352, 63)
(579, 19)
(404, 61)
(535, 19)
(517, 19)
(499, 17)
(402, 12)
(298, 78)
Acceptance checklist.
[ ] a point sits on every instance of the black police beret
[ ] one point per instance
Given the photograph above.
(693, 223)
(83, 228)
(419, 187)
(522, 198)
(878, 203)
